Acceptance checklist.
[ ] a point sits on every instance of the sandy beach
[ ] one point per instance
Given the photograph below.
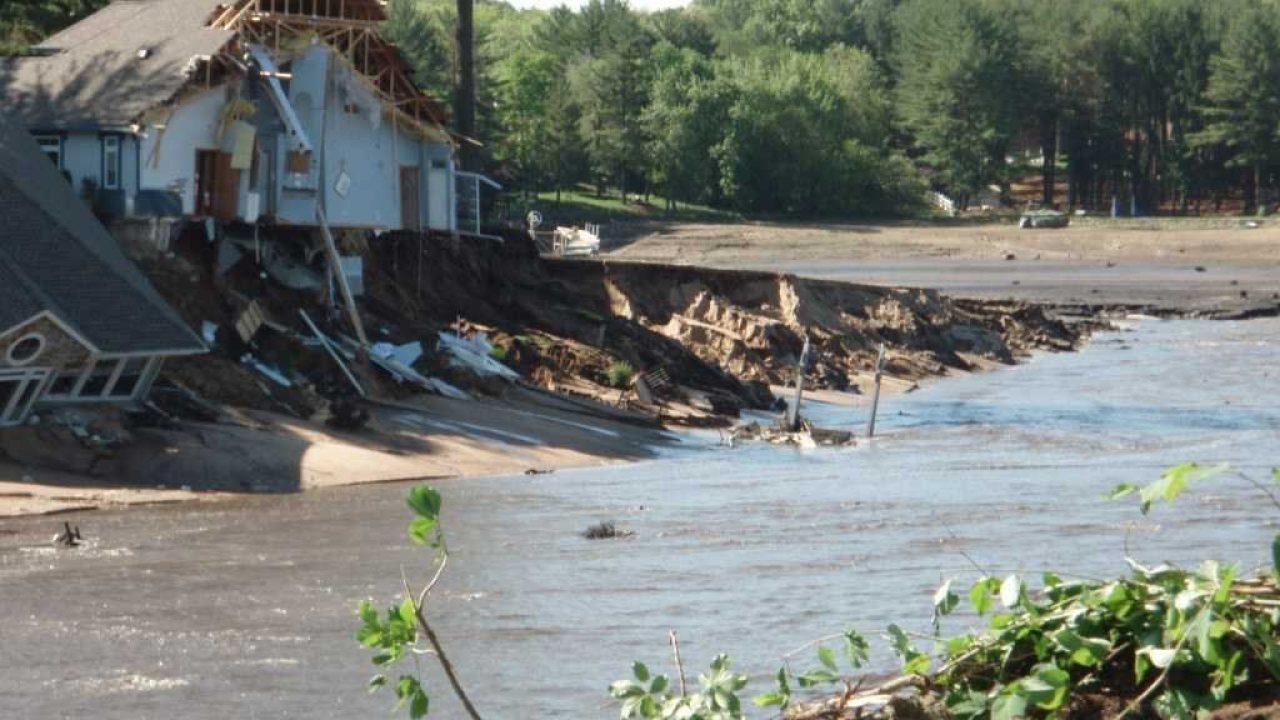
(261, 452)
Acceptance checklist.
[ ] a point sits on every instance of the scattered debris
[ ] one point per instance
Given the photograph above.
(572, 241)
(69, 537)
(474, 354)
(347, 414)
(605, 531)
(807, 436)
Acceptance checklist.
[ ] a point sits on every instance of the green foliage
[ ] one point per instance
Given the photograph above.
(394, 634)
(24, 23)
(1171, 484)
(652, 698)
(620, 374)
(1185, 641)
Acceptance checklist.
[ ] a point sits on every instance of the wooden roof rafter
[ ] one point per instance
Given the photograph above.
(349, 27)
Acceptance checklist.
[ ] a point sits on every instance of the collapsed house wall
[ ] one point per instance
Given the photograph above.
(169, 148)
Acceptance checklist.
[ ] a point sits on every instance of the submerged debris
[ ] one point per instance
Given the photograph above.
(605, 531)
(807, 436)
(69, 537)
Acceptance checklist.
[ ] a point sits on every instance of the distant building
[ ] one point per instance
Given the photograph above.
(78, 321)
(289, 110)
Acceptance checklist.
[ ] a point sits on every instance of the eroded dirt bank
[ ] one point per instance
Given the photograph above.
(723, 340)
(726, 333)
(753, 324)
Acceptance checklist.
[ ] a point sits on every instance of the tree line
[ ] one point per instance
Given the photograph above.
(856, 107)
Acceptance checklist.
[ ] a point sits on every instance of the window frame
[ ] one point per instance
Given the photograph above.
(113, 142)
(46, 140)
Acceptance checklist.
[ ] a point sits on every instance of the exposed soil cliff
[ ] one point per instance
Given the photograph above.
(726, 333)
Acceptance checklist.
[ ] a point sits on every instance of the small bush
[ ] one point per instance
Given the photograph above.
(620, 374)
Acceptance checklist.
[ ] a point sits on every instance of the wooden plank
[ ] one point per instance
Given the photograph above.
(335, 266)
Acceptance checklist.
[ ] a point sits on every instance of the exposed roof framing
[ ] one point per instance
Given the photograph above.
(350, 28)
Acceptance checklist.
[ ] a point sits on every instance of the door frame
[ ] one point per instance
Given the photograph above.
(411, 197)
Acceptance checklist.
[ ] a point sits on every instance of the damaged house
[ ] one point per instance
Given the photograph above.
(269, 112)
(79, 324)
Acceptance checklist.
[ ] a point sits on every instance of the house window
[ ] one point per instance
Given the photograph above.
(63, 384)
(129, 377)
(111, 162)
(51, 145)
(26, 349)
(96, 384)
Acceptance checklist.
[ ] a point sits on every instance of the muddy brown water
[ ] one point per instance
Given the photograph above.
(245, 609)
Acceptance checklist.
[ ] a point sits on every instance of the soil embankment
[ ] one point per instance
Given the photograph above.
(714, 341)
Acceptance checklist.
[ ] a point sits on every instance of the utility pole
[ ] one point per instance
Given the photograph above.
(802, 367)
(875, 400)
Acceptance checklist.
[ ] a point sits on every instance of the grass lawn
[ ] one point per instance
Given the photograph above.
(578, 206)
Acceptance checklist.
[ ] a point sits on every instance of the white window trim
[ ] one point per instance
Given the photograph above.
(34, 356)
(109, 167)
(44, 138)
(146, 377)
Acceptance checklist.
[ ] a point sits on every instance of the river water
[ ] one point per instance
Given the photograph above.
(245, 609)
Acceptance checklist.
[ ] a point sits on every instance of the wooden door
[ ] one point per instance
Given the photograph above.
(217, 185)
(410, 212)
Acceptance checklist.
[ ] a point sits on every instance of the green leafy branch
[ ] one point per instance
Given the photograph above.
(394, 636)
(1173, 642)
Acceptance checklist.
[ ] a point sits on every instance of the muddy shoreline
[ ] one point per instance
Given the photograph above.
(728, 337)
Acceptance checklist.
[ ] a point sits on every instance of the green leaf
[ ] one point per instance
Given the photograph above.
(640, 671)
(817, 677)
(421, 528)
(856, 648)
(771, 700)
(1275, 556)
(419, 703)
(1048, 687)
(377, 682)
(618, 687)
(827, 657)
(1122, 490)
(1010, 591)
(408, 612)
(425, 501)
(944, 601)
(1008, 707)
(659, 685)
(918, 665)
(368, 613)
(1175, 481)
(980, 596)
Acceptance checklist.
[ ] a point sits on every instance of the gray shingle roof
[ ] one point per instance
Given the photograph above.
(93, 76)
(55, 256)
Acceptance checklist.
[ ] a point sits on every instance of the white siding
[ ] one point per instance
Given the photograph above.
(81, 156)
(169, 153)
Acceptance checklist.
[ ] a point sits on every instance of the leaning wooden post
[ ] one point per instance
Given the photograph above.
(793, 410)
(875, 399)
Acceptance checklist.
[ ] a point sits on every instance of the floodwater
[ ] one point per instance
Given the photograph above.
(245, 609)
